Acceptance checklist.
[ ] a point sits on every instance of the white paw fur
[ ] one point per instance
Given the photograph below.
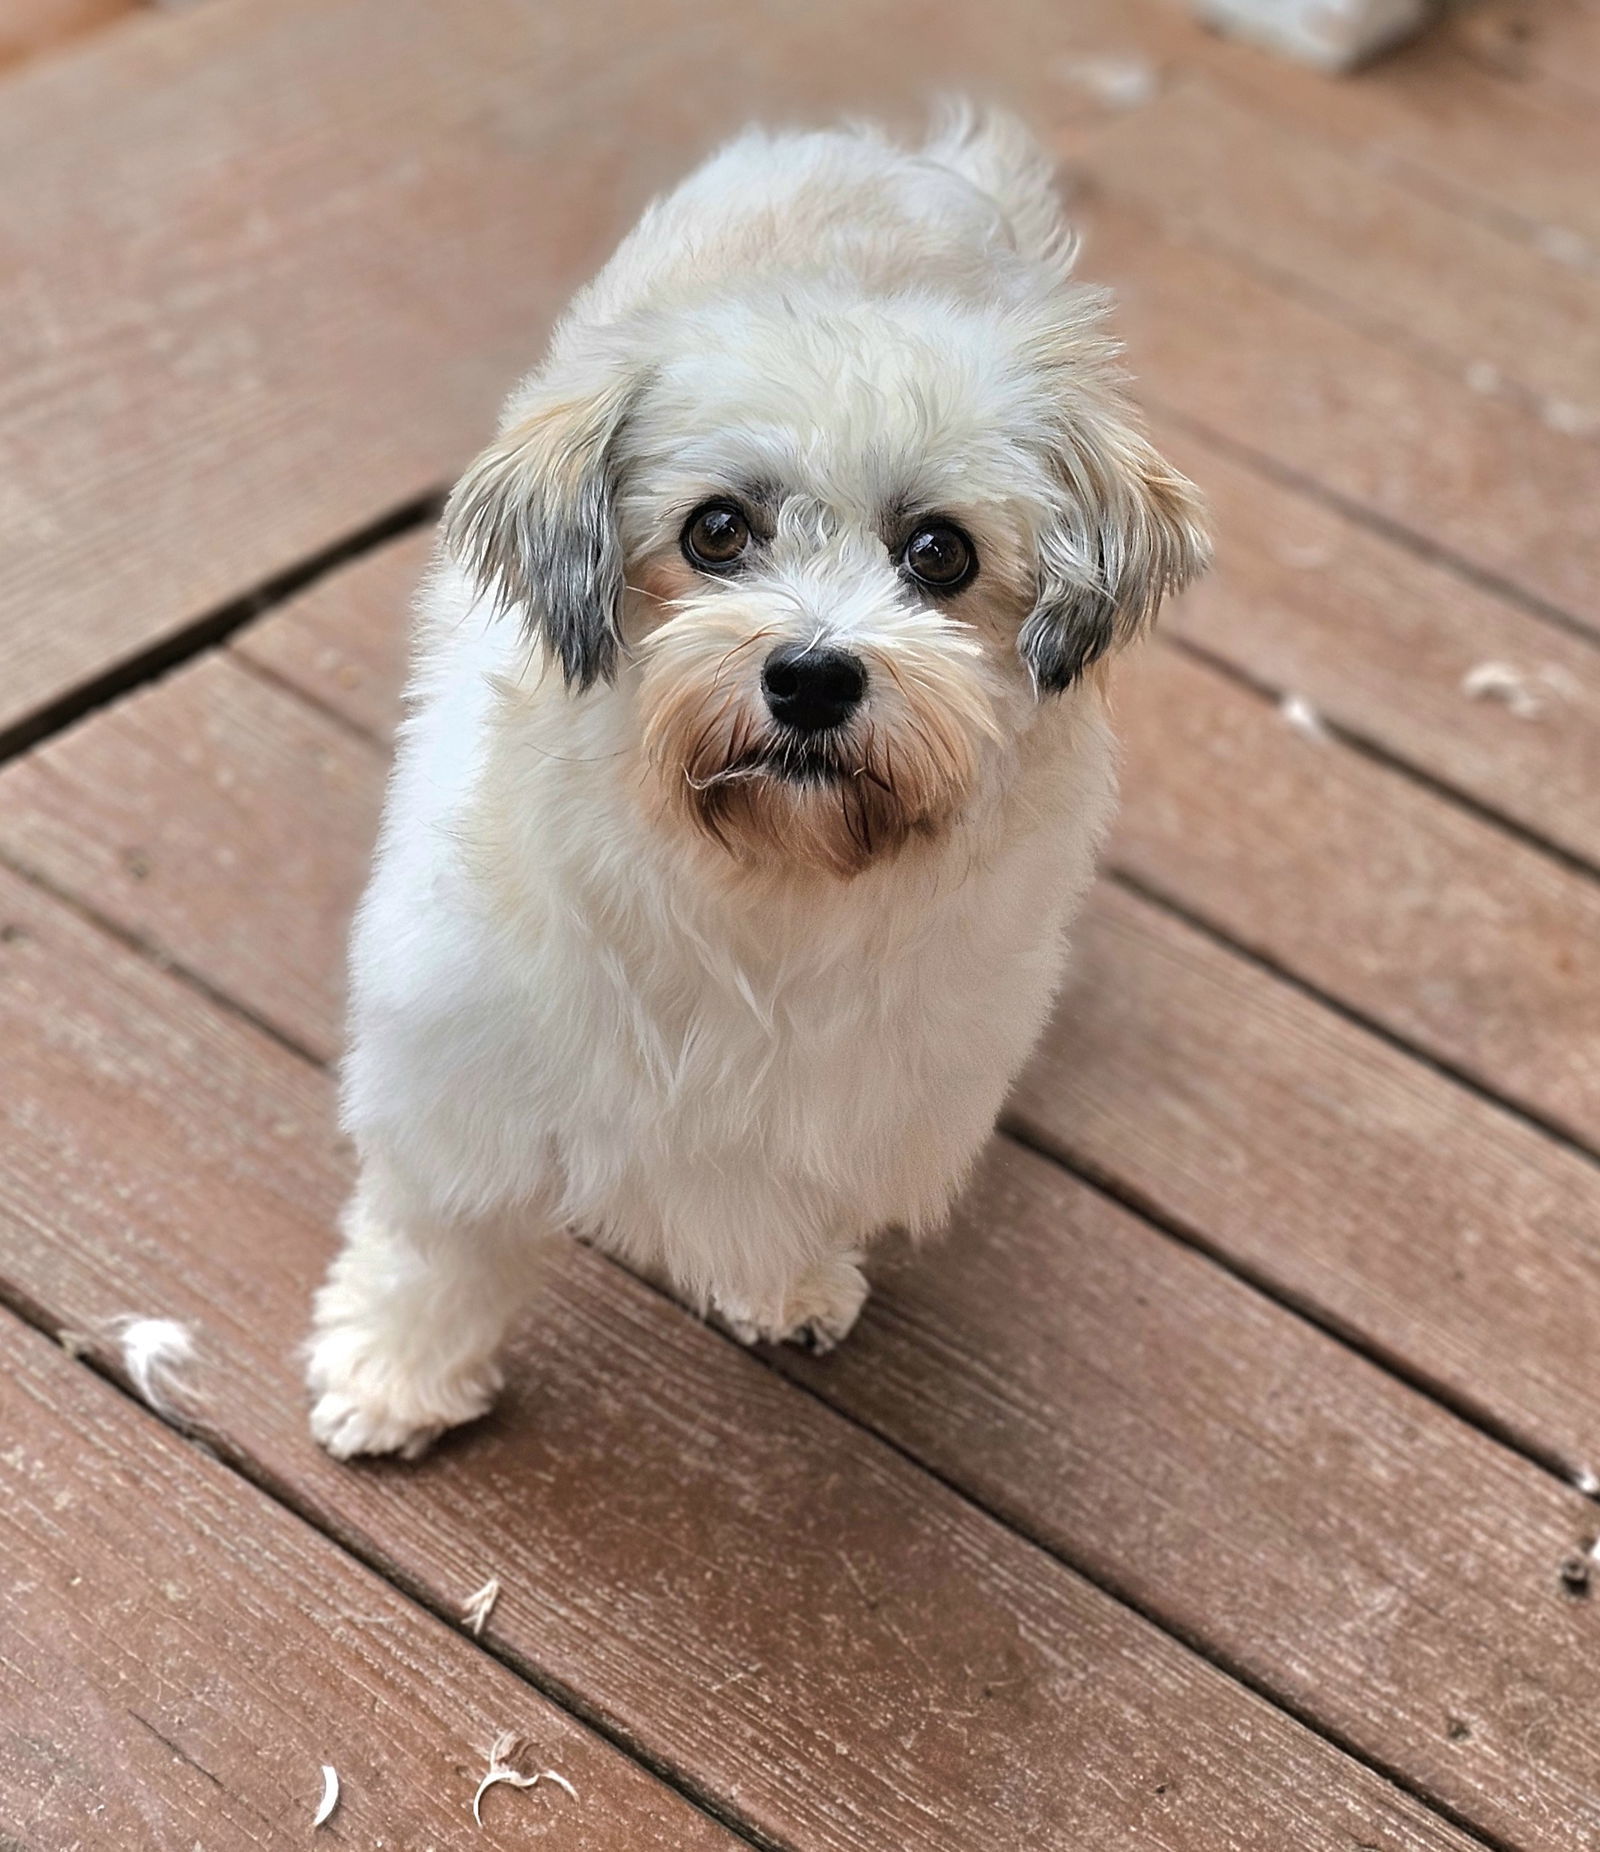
(370, 1402)
(818, 1311)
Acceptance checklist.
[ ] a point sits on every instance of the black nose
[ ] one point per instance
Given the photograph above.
(809, 687)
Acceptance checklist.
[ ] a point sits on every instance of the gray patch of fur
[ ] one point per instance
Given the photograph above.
(552, 551)
(1063, 635)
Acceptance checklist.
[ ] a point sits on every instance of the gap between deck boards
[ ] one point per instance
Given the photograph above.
(215, 627)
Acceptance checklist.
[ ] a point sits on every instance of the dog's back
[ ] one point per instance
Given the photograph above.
(849, 205)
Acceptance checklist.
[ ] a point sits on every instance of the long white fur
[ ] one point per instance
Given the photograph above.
(157, 1354)
(571, 1012)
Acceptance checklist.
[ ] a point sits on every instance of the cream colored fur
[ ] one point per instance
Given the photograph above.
(620, 971)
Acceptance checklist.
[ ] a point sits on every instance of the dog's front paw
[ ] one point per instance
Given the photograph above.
(818, 1310)
(366, 1402)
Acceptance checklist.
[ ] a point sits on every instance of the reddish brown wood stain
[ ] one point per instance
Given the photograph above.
(973, 1582)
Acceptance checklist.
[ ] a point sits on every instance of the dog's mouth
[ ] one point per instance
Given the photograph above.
(804, 759)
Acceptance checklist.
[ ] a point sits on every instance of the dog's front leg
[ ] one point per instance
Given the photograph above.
(411, 1316)
(816, 1309)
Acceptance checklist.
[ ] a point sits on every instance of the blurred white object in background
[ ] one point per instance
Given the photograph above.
(1333, 34)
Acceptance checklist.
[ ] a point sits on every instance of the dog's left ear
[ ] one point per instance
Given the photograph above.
(1130, 530)
(534, 521)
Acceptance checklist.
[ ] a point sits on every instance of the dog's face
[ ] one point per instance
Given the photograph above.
(848, 546)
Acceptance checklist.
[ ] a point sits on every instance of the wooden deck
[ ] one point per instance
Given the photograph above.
(1217, 1485)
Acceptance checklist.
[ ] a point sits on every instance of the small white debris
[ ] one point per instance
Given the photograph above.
(1118, 82)
(1566, 247)
(330, 1794)
(74, 1343)
(477, 1607)
(1334, 35)
(155, 1353)
(1571, 420)
(1483, 376)
(500, 1769)
(1587, 1482)
(1499, 681)
(1303, 718)
(1524, 693)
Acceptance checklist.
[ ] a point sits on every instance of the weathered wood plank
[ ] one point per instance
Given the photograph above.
(28, 27)
(1377, 890)
(1440, 1231)
(1252, 1484)
(213, 815)
(744, 1584)
(299, 302)
(340, 229)
(224, 245)
(1303, 600)
(1167, 1074)
(342, 642)
(1518, 155)
(182, 1656)
(1522, 154)
(1028, 1217)
(1487, 306)
(1478, 476)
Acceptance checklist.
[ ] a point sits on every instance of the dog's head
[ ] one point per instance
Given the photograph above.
(846, 545)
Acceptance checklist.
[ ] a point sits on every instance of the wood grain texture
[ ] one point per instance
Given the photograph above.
(264, 335)
(28, 27)
(228, 344)
(1517, 156)
(1325, 220)
(731, 1577)
(739, 1581)
(1443, 1233)
(1251, 1483)
(1523, 156)
(342, 642)
(182, 1656)
(213, 814)
(1322, 401)
(1306, 601)
(1376, 890)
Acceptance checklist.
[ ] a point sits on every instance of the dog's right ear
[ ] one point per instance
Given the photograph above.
(534, 521)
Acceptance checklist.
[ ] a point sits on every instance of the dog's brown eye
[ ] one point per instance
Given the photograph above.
(939, 556)
(716, 536)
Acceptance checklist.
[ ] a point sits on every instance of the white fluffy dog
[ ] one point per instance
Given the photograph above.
(757, 761)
